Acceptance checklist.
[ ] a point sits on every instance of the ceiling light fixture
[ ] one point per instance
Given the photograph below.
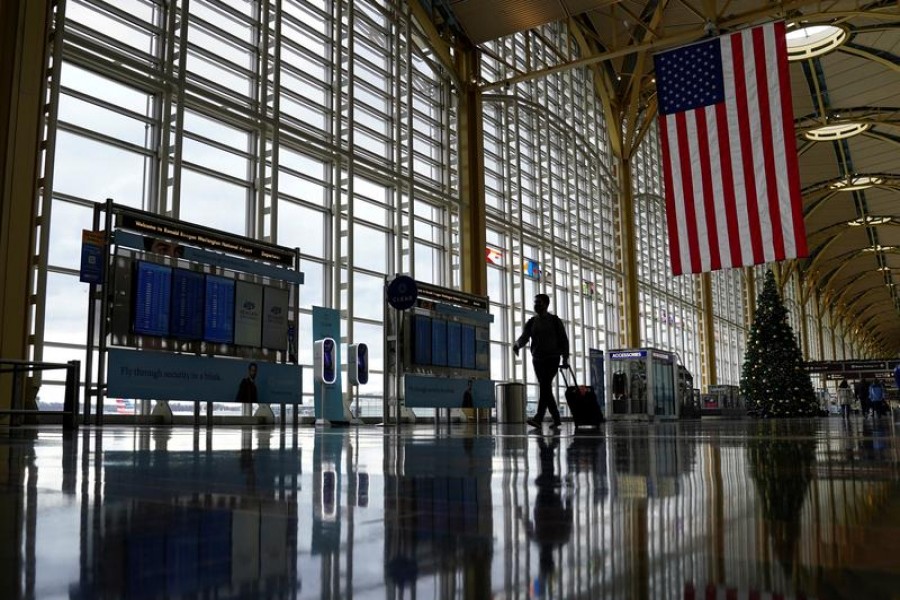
(856, 182)
(829, 133)
(869, 220)
(879, 248)
(810, 41)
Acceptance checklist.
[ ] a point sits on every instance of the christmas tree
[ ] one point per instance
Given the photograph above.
(774, 381)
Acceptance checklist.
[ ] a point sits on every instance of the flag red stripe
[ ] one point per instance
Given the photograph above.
(734, 231)
(744, 148)
(790, 143)
(712, 234)
(672, 226)
(687, 184)
(765, 119)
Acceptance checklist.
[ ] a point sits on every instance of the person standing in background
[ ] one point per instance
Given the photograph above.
(845, 398)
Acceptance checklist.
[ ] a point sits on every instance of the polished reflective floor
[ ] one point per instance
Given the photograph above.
(712, 509)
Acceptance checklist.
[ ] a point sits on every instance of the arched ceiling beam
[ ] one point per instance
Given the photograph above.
(886, 59)
(699, 31)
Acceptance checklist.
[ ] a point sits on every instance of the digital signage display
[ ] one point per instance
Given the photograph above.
(274, 320)
(218, 325)
(421, 339)
(467, 347)
(454, 345)
(439, 343)
(152, 298)
(188, 290)
(248, 310)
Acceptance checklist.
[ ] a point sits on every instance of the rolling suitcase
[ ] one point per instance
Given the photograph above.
(582, 401)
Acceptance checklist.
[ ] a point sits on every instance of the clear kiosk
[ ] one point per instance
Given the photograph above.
(641, 384)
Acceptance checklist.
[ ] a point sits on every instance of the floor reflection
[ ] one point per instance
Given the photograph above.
(675, 510)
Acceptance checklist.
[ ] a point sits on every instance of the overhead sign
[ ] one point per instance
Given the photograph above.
(205, 238)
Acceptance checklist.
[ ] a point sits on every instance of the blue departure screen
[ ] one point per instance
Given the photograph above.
(218, 326)
(421, 340)
(467, 348)
(152, 298)
(439, 343)
(187, 304)
(454, 343)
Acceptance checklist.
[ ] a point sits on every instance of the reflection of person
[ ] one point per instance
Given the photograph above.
(862, 394)
(468, 400)
(552, 524)
(549, 342)
(161, 246)
(247, 390)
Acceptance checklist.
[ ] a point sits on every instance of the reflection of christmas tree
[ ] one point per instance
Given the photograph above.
(782, 470)
(774, 381)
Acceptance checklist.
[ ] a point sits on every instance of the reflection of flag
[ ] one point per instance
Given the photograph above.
(729, 157)
(494, 257)
(124, 407)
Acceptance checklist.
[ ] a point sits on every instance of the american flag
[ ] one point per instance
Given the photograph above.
(729, 155)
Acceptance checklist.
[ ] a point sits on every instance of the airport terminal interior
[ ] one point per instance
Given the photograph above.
(264, 265)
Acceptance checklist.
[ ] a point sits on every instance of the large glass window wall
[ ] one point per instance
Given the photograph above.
(668, 313)
(728, 324)
(550, 208)
(322, 125)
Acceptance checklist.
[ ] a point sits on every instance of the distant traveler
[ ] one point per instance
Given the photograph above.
(876, 397)
(247, 390)
(862, 394)
(845, 398)
(549, 343)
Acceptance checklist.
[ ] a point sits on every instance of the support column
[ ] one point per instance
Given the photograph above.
(628, 245)
(473, 236)
(804, 327)
(23, 48)
(708, 339)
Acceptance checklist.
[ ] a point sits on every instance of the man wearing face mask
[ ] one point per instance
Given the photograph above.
(549, 344)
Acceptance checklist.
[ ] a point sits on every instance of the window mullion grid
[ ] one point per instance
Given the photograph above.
(173, 207)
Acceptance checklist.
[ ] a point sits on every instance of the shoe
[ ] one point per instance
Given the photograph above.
(534, 423)
(556, 426)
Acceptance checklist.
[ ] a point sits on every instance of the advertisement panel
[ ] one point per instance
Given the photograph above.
(147, 375)
(275, 318)
(422, 391)
(248, 309)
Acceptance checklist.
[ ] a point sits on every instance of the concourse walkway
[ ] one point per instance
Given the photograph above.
(727, 509)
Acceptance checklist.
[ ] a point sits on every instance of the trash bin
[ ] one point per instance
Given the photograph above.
(511, 402)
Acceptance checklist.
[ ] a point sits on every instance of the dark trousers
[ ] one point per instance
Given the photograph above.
(845, 411)
(545, 369)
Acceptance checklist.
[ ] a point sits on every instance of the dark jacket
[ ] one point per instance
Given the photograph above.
(548, 336)
(247, 391)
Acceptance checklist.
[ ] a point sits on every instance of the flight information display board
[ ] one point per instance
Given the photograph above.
(454, 342)
(421, 340)
(218, 324)
(188, 291)
(152, 299)
(439, 342)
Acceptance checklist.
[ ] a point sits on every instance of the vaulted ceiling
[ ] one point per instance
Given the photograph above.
(853, 235)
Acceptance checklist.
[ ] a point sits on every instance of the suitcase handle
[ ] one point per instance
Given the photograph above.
(571, 371)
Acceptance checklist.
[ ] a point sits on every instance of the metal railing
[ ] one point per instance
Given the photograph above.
(72, 389)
